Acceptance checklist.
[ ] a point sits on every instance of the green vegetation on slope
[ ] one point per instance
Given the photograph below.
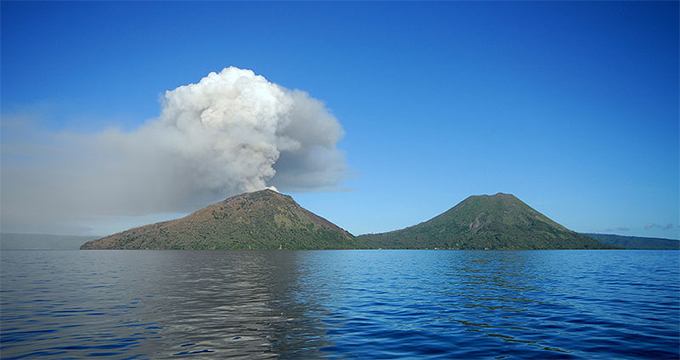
(498, 222)
(268, 220)
(636, 243)
(258, 220)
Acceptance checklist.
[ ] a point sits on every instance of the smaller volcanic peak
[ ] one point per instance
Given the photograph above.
(501, 222)
(483, 212)
(262, 219)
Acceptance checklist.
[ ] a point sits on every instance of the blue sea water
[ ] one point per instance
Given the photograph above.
(340, 304)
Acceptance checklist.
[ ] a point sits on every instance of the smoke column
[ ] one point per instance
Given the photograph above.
(232, 127)
(231, 132)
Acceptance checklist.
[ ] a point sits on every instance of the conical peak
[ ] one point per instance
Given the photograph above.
(259, 194)
(500, 221)
(502, 197)
(263, 219)
(497, 195)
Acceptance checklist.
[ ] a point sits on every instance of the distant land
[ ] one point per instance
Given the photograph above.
(10, 241)
(269, 220)
(486, 222)
(637, 243)
(263, 219)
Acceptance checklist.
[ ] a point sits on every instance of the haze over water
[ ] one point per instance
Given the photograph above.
(340, 304)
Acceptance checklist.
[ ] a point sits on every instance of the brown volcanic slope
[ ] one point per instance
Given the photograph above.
(497, 222)
(259, 220)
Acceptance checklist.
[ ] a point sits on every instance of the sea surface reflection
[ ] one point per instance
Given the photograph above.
(340, 304)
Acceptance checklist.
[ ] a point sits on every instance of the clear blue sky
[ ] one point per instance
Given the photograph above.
(571, 106)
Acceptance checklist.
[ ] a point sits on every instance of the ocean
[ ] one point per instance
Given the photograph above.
(363, 304)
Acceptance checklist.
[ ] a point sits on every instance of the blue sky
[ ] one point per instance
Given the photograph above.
(571, 106)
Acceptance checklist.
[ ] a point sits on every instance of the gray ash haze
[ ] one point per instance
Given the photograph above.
(229, 133)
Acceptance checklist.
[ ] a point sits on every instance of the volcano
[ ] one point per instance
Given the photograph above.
(486, 222)
(263, 219)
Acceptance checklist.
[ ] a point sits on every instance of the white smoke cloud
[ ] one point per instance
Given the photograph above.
(231, 132)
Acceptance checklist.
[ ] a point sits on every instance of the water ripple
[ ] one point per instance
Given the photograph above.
(340, 304)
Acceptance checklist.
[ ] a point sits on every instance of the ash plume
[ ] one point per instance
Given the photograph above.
(231, 132)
